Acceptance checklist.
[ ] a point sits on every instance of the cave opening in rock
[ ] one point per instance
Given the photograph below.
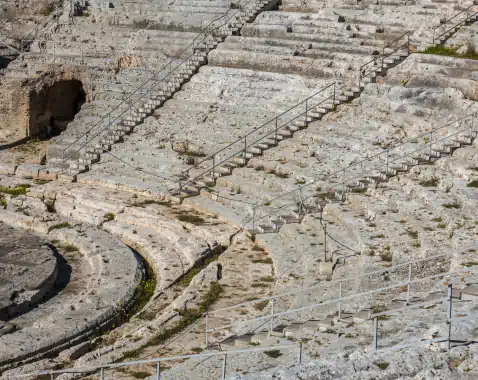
(54, 107)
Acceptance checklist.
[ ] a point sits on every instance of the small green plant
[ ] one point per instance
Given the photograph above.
(300, 181)
(3, 202)
(432, 182)
(15, 191)
(140, 374)
(273, 353)
(379, 236)
(266, 260)
(378, 308)
(59, 226)
(109, 216)
(452, 205)
(416, 244)
(259, 306)
(382, 365)
(441, 225)
(413, 234)
(189, 218)
(70, 248)
(259, 168)
(196, 350)
(282, 174)
(267, 279)
(318, 189)
(254, 343)
(267, 203)
(472, 183)
(470, 264)
(349, 336)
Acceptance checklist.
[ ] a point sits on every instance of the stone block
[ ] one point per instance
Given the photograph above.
(49, 174)
(8, 169)
(325, 268)
(28, 171)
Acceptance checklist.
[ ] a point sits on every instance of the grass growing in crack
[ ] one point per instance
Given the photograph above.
(379, 236)
(438, 220)
(59, 226)
(259, 306)
(140, 374)
(300, 181)
(273, 353)
(413, 234)
(70, 248)
(470, 264)
(266, 260)
(3, 202)
(109, 216)
(267, 279)
(416, 244)
(15, 191)
(452, 205)
(188, 317)
(188, 277)
(450, 52)
(441, 225)
(190, 218)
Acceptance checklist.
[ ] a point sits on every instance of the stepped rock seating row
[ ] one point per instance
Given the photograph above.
(244, 84)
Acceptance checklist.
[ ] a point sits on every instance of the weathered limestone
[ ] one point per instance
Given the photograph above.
(28, 271)
(104, 278)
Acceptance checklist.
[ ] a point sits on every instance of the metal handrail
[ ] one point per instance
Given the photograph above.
(353, 178)
(244, 138)
(369, 158)
(130, 104)
(381, 57)
(339, 300)
(451, 18)
(327, 284)
(157, 361)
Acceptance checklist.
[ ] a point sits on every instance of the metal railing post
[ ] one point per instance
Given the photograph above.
(52, 376)
(275, 131)
(223, 369)
(245, 147)
(158, 370)
(386, 165)
(409, 280)
(343, 180)
(54, 51)
(214, 166)
(254, 220)
(272, 314)
(333, 99)
(340, 300)
(433, 41)
(82, 60)
(102, 373)
(299, 358)
(206, 329)
(374, 334)
(431, 137)
(306, 110)
(449, 311)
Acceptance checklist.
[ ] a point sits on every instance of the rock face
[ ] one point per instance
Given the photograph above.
(28, 270)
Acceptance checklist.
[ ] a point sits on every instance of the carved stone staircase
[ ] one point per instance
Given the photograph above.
(164, 90)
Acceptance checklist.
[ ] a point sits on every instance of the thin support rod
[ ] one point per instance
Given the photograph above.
(223, 369)
(206, 330)
(158, 370)
(374, 334)
(409, 282)
(449, 311)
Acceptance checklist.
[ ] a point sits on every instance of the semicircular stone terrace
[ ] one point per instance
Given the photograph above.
(97, 280)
